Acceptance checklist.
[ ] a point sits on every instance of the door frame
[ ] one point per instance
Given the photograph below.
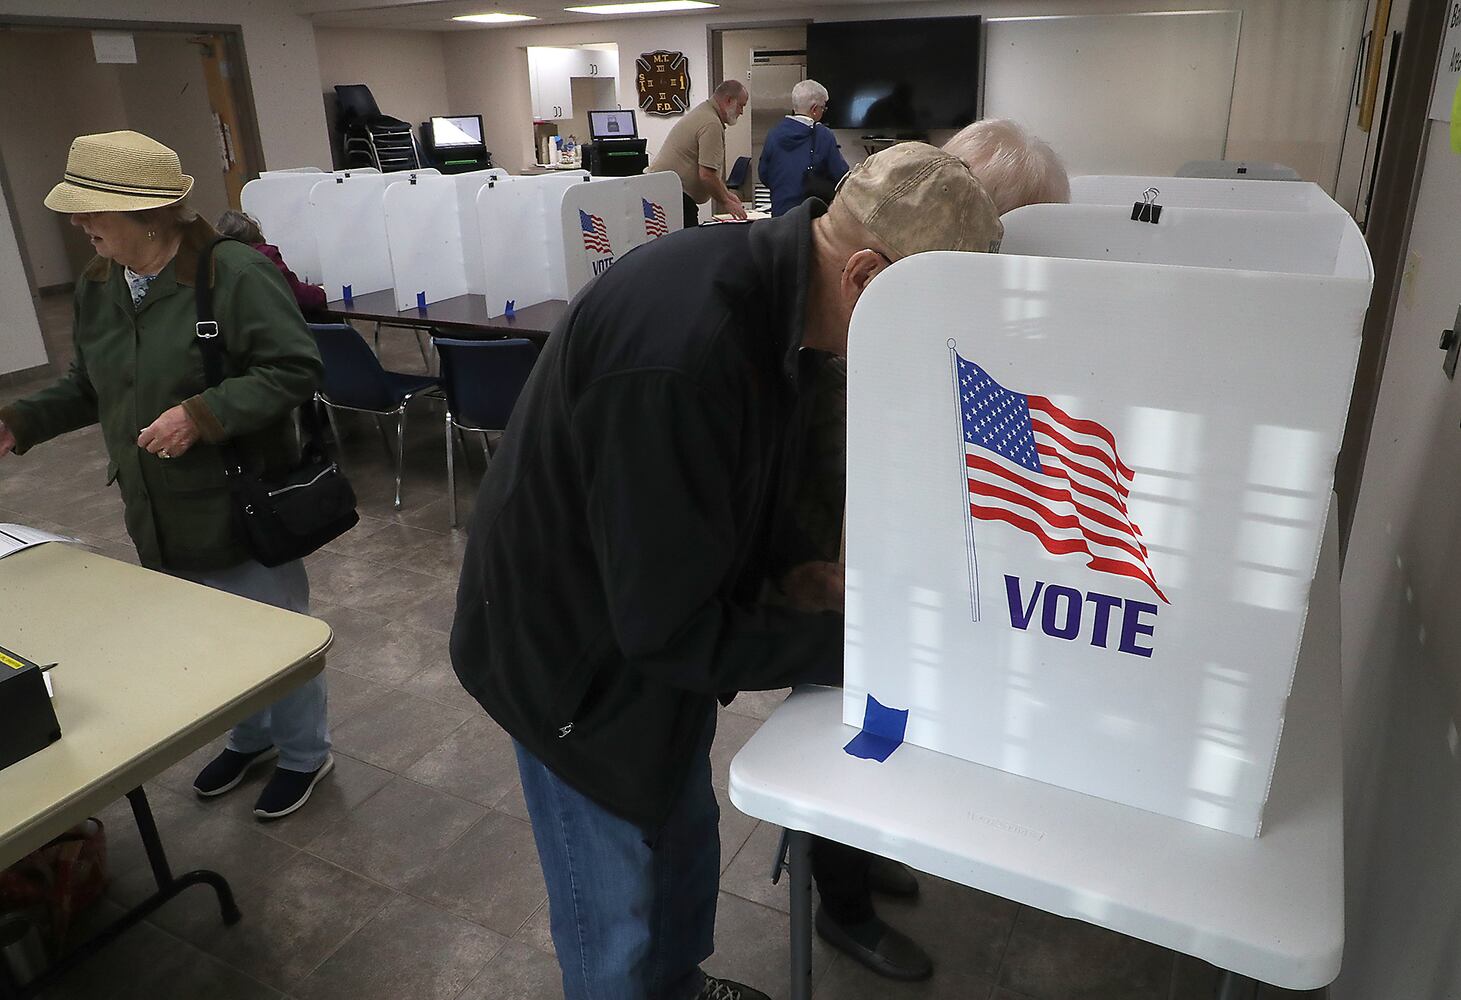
(1387, 232)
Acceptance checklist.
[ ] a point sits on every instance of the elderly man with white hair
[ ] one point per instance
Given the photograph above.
(1015, 167)
(801, 159)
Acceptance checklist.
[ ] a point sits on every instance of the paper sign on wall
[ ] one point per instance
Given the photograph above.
(1448, 71)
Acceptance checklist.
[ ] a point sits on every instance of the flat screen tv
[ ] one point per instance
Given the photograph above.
(899, 74)
(456, 131)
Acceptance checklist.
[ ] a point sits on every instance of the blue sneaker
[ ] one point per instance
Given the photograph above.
(288, 790)
(225, 771)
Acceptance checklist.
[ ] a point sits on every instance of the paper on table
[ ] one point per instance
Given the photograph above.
(16, 537)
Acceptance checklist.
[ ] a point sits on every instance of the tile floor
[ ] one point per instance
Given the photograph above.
(412, 875)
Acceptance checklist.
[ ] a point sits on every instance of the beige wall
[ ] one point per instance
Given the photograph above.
(1295, 59)
(282, 68)
(166, 96)
(405, 70)
(35, 135)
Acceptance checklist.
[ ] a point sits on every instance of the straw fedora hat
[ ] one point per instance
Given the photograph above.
(119, 172)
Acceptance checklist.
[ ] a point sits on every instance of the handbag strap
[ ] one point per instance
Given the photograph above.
(206, 330)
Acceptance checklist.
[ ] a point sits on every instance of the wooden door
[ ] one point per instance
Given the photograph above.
(223, 98)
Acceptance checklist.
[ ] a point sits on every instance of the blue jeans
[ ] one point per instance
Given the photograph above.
(632, 910)
(295, 723)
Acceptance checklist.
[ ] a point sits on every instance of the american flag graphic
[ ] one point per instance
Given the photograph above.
(1058, 477)
(655, 225)
(595, 236)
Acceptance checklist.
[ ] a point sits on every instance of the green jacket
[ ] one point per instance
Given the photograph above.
(133, 364)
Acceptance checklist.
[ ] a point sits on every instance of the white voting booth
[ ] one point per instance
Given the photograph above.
(279, 201)
(1087, 483)
(1204, 192)
(607, 220)
(521, 247)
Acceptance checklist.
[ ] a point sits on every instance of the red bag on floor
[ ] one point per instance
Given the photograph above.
(65, 877)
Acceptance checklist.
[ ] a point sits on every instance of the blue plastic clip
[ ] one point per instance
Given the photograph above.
(882, 732)
(349, 295)
(421, 301)
(511, 309)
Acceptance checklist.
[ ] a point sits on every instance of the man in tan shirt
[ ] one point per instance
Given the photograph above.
(695, 149)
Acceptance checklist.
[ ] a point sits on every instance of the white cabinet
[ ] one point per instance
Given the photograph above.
(551, 72)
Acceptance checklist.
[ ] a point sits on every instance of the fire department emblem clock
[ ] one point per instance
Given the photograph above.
(664, 83)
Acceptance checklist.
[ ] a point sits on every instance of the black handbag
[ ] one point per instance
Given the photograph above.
(285, 518)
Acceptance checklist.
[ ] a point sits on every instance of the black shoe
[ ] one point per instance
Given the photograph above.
(888, 952)
(225, 771)
(892, 878)
(288, 790)
(724, 989)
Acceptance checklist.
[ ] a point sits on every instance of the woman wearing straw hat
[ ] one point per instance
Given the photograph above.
(138, 371)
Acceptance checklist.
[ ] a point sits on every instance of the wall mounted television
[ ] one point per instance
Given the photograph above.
(898, 74)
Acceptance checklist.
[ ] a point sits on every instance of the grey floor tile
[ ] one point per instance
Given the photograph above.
(117, 966)
(295, 920)
(438, 682)
(394, 653)
(748, 875)
(188, 974)
(753, 946)
(847, 980)
(398, 833)
(476, 761)
(519, 972)
(349, 695)
(343, 791)
(410, 949)
(731, 733)
(1052, 957)
(758, 704)
(396, 730)
(964, 931)
(489, 876)
(735, 829)
(537, 933)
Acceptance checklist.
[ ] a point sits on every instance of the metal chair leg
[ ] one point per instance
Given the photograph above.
(385, 437)
(335, 432)
(400, 450)
(486, 452)
(451, 475)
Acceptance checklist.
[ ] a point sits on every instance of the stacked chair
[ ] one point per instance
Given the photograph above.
(369, 138)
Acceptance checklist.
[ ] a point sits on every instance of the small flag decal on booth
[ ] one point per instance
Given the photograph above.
(1055, 476)
(655, 224)
(595, 235)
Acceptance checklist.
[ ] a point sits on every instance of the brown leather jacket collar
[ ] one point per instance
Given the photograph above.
(196, 237)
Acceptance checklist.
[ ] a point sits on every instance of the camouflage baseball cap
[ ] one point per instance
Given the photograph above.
(914, 197)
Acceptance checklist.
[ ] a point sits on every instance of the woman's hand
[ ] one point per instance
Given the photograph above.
(7, 440)
(170, 435)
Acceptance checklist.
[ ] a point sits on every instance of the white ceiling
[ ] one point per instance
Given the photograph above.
(435, 15)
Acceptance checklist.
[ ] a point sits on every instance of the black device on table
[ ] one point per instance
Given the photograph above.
(614, 148)
(455, 144)
(25, 706)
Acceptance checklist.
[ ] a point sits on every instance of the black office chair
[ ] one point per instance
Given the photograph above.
(739, 171)
(355, 380)
(482, 380)
(369, 138)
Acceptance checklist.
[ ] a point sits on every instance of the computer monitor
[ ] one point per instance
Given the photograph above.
(618, 124)
(455, 131)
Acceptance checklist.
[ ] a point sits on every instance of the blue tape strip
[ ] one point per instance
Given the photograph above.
(882, 732)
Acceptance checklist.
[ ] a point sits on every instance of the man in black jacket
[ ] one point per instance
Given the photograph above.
(623, 541)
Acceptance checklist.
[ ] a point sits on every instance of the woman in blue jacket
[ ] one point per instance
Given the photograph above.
(798, 146)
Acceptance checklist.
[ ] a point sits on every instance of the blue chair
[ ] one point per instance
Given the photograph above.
(355, 380)
(482, 380)
(739, 171)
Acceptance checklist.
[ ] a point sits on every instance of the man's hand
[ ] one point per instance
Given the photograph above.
(170, 435)
(815, 586)
(7, 440)
(733, 208)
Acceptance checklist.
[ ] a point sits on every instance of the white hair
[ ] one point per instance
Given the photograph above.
(805, 94)
(1015, 167)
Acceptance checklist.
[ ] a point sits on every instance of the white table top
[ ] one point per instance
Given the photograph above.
(150, 668)
(1270, 908)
